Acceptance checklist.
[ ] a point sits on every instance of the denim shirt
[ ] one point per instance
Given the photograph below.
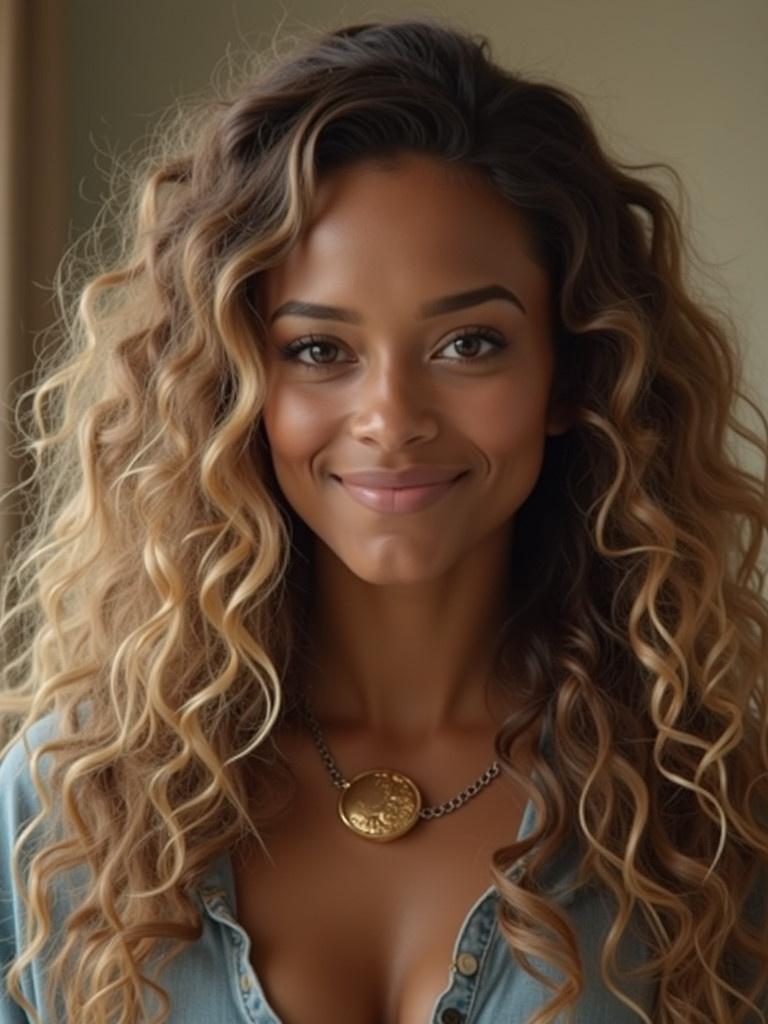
(213, 982)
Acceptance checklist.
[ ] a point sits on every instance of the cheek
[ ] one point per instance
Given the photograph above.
(295, 423)
(505, 421)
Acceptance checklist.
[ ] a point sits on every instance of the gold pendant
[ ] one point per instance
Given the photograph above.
(380, 804)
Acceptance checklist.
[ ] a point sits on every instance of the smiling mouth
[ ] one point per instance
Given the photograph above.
(398, 500)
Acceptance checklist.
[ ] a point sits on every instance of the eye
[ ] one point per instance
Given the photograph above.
(312, 343)
(476, 336)
(317, 344)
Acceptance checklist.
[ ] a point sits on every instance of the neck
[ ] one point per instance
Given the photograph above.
(408, 662)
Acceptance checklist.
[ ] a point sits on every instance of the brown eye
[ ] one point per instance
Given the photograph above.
(469, 341)
(314, 344)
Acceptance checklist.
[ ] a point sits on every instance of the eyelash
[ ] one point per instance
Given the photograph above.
(293, 349)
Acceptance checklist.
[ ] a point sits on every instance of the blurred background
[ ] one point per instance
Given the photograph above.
(680, 81)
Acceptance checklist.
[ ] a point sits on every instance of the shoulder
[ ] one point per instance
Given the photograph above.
(18, 796)
(19, 803)
(19, 800)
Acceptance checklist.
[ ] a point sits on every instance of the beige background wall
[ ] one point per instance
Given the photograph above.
(35, 192)
(684, 81)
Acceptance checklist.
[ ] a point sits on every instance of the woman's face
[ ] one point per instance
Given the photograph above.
(399, 375)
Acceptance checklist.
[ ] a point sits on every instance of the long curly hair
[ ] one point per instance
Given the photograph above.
(154, 599)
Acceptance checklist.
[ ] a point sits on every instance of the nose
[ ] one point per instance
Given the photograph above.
(393, 407)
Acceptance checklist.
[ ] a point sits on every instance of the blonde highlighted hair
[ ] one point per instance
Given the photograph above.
(154, 599)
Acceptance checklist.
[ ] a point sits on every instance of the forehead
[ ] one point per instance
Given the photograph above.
(413, 223)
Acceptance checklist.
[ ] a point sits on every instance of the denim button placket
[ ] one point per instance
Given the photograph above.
(249, 997)
(218, 904)
(455, 1005)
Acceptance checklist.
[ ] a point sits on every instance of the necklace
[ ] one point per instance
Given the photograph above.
(381, 804)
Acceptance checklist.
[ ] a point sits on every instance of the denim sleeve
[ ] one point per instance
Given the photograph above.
(18, 804)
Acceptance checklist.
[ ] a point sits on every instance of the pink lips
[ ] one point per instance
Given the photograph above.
(398, 499)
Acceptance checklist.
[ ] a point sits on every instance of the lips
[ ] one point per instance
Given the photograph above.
(396, 500)
(411, 476)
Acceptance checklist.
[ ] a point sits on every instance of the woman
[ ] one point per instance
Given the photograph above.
(396, 649)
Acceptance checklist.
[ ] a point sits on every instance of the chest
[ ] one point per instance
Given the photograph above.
(343, 928)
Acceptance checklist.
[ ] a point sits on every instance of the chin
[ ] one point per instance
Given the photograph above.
(394, 572)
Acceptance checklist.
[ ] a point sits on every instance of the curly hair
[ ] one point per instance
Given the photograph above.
(154, 599)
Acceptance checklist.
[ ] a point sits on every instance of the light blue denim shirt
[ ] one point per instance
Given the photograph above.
(213, 982)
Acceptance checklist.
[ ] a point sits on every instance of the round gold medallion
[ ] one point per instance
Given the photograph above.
(380, 804)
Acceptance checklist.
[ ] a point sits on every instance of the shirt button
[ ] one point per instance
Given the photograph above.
(452, 1016)
(245, 982)
(466, 963)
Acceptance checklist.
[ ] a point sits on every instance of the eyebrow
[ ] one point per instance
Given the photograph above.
(435, 307)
